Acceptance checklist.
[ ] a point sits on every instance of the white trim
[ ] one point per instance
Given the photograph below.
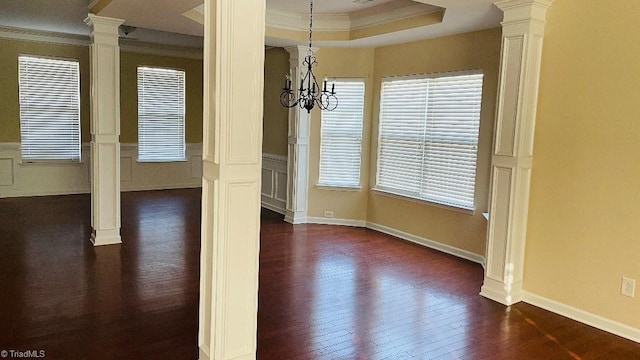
(611, 326)
(274, 208)
(285, 20)
(390, 12)
(12, 33)
(295, 218)
(448, 249)
(338, 188)
(300, 22)
(334, 221)
(433, 75)
(274, 157)
(161, 50)
(405, 197)
(130, 46)
(272, 188)
(57, 178)
(359, 19)
(160, 187)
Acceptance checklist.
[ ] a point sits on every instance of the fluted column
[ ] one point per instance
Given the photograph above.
(105, 130)
(232, 135)
(522, 34)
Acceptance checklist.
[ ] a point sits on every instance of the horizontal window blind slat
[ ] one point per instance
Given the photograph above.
(428, 137)
(161, 114)
(341, 136)
(49, 95)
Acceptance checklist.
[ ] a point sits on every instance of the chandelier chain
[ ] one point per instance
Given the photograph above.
(310, 21)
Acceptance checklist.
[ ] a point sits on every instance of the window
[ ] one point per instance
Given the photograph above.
(49, 108)
(341, 136)
(428, 138)
(161, 109)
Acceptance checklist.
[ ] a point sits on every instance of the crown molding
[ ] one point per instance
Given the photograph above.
(84, 41)
(376, 15)
(285, 20)
(161, 50)
(43, 36)
(389, 12)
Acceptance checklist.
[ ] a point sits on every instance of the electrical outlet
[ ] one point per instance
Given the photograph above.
(628, 287)
(328, 213)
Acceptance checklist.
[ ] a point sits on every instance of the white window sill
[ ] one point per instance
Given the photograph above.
(50, 162)
(422, 201)
(338, 188)
(160, 161)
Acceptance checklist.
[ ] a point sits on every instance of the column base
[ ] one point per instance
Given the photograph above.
(106, 237)
(295, 218)
(506, 294)
(202, 354)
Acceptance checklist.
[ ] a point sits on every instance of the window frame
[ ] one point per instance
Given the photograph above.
(323, 183)
(77, 111)
(183, 115)
(397, 193)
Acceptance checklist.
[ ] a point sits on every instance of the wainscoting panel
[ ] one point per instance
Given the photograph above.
(161, 175)
(274, 182)
(58, 178)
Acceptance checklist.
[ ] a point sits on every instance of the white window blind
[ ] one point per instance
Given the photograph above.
(49, 108)
(428, 139)
(341, 136)
(161, 112)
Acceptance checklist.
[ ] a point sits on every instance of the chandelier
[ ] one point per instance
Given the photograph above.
(309, 93)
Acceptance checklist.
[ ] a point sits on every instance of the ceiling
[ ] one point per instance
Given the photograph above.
(164, 21)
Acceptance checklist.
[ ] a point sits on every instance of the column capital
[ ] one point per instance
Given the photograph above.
(103, 29)
(519, 11)
(297, 53)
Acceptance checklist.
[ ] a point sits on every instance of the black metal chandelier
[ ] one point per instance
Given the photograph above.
(309, 93)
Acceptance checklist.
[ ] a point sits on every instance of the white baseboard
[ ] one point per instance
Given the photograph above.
(159, 187)
(274, 208)
(464, 254)
(34, 193)
(582, 316)
(334, 221)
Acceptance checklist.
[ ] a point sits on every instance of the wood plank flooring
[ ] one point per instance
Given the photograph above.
(326, 292)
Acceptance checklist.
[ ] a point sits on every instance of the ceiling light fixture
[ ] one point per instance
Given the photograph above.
(309, 93)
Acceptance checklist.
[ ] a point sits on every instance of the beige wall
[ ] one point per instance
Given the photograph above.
(345, 204)
(274, 125)
(129, 93)
(584, 229)
(10, 104)
(477, 50)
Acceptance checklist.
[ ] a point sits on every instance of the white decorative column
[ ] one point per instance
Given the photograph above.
(105, 130)
(522, 34)
(232, 155)
(298, 145)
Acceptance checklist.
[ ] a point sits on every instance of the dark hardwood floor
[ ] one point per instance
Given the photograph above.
(326, 292)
